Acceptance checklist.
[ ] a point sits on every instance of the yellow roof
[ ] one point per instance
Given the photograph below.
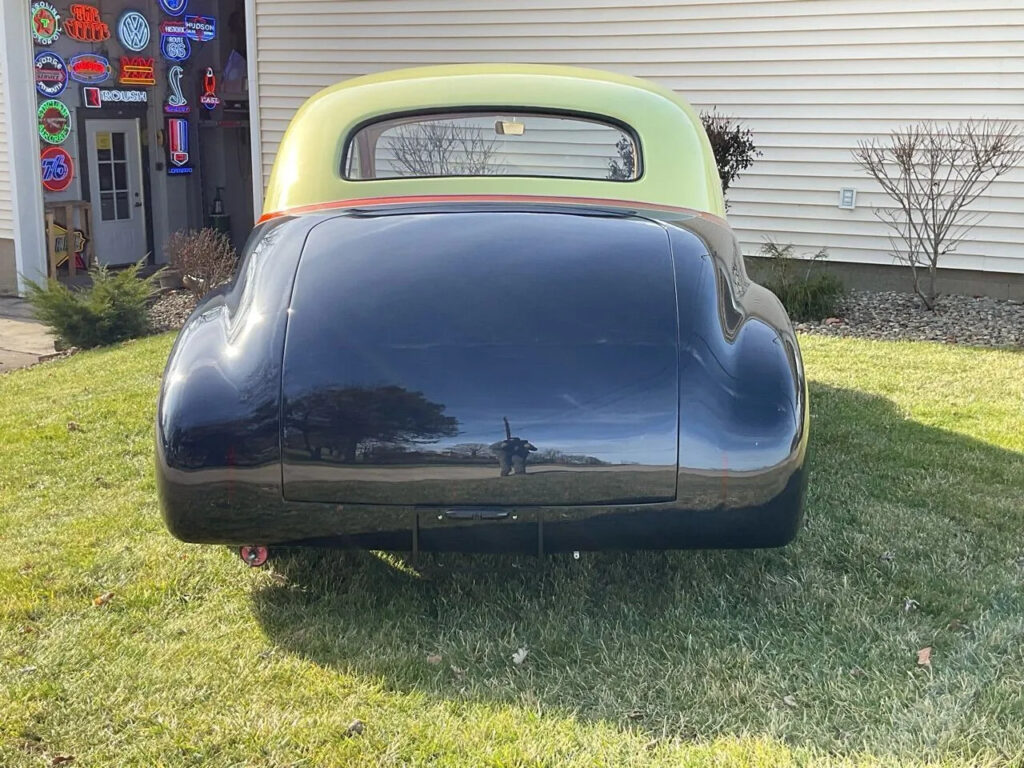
(678, 167)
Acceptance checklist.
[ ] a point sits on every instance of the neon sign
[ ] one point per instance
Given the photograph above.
(58, 170)
(174, 44)
(177, 146)
(94, 97)
(137, 70)
(173, 7)
(209, 99)
(202, 29)
(176, 103)
(133, 30)
(54, 121)
(89, 68)
(45, 23)
(85, 24)
(51, 74)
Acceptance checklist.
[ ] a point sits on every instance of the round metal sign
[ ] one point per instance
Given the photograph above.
(54, 121)
(51, 74)
(133, 30)
(45, 23)
(58, 170)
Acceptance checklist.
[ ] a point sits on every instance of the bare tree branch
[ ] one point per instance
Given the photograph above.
(442, 148)
(934, 174)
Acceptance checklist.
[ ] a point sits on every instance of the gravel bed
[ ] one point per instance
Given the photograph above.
(170, 311)
(899, 316)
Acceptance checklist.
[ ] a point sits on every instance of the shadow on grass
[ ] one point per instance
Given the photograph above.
(702, 643)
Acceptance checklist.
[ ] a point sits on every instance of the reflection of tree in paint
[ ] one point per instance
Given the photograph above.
(348, 423)
(512, 452)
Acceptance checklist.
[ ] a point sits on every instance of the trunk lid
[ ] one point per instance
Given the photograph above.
(481, 358)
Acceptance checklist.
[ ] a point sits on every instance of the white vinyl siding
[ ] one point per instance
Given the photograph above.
(809, 78)
(6, 213)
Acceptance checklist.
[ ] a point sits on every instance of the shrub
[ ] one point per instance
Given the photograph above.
(204, 258)
(732, 144)
(111, 310)
(806, 293)
(933, 174)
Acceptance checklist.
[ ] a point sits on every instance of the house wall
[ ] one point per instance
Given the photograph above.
(810, 79)
(8, 271)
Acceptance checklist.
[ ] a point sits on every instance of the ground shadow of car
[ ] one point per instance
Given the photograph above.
(694, 643)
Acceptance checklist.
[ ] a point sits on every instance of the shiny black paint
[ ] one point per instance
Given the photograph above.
(613, 342)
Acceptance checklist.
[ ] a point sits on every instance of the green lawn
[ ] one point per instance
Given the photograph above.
(805, 655)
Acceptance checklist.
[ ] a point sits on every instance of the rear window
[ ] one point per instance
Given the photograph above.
(492, 144)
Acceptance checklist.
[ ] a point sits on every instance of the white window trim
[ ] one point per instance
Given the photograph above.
(23, 145)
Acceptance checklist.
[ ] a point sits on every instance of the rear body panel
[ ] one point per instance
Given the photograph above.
(662, 390)
(409, 344)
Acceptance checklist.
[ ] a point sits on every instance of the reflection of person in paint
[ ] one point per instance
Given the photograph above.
(512, 452)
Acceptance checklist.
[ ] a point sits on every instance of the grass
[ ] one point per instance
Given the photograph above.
(801, 656)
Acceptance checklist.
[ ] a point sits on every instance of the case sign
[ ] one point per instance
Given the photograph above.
(51, 74)
(137, 70)
(202, 29)
(209, 99)
(58, 170)
(89, 68)
(173, 7)
(94, 97)
(54, 121)
(45, 23)
(176, 103)
(133, 30)
(174, 43)
(85, 24)
(177, 146)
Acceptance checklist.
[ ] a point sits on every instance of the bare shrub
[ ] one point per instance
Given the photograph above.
(933, 174)
(204, 258)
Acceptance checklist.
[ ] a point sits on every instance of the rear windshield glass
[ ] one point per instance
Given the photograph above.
(491, 144)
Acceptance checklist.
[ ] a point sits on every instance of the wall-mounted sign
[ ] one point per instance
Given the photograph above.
(45, 23)
(177, 146)
(133, 30)
(58, 170)
(202, 29)
(90, 68)
(94, 97)
(174, 44)
(173, 7)
(176, 103)
(51, 74)
(209, 99)
(54, 121)
(67, 244)
(85, 24)
(137, 70)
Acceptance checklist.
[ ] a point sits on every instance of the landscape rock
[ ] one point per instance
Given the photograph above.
(892, 316)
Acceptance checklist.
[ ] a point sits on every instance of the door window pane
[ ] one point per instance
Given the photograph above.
(122, 206)
(120, 175)
(107, 206)
(118, 146)
(103, 174)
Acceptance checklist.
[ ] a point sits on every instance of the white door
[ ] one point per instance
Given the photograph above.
(115, 190)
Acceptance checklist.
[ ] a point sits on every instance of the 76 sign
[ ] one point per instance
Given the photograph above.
(58, 169)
